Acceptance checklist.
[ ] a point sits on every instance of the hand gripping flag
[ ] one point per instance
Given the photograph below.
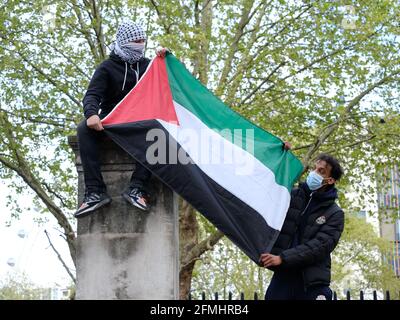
(233, 172)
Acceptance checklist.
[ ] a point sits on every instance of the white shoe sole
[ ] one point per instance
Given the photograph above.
(89, 210)
(127, 198)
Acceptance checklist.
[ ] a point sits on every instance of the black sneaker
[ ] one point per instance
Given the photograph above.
(137, 198)
(92, 202)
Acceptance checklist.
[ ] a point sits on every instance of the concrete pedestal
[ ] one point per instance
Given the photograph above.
(123, 252)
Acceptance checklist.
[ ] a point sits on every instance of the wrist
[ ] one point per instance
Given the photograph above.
(90, 112)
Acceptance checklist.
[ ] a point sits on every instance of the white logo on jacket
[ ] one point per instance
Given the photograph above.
(321, 220)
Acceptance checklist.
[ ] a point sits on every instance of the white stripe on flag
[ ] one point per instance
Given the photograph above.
(257, 189)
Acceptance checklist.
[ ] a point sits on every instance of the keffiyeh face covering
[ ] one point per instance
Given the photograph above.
(124, 46)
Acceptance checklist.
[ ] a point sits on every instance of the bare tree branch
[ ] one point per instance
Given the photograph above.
(39, 119)
(245, 18)
(98, 28)
(60, 258)
(246, 61)
(49, 79)
(203, 47)
(161, 18)
(263, 82)
(308, 66)
(302, 147)
(205, 245)
(55, 48)
(354, 143)
(290, 21)
(83, 28)
(245, 66)
(316, 61)
(59, 197)
(328, 130)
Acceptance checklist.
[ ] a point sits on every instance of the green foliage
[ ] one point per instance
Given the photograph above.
(227, 269)
(360, 260)
(20, 287)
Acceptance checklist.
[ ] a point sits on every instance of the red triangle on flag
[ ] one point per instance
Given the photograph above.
(150, 99)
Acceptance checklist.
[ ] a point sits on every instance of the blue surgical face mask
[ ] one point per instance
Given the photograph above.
(314, 180)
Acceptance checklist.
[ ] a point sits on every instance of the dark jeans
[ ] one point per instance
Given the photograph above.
(89, 141)
(290, 286)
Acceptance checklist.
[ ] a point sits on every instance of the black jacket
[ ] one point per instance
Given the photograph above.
(310, 232)
(110, 83)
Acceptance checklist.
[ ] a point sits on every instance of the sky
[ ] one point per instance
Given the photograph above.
(32, 254)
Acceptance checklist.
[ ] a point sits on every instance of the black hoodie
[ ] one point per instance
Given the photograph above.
(111, 81)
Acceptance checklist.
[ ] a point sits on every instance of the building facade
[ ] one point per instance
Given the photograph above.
(389, 209)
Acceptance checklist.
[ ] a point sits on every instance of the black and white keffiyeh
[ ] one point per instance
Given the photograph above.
(127, 33)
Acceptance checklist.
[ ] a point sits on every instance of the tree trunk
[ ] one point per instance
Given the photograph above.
(185, 281)
(188, 238)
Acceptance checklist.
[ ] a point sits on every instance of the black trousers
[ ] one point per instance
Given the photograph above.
(89, 142)
(290, 286)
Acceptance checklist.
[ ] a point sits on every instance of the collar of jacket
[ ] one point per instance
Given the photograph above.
(328, 194)
(320, 199)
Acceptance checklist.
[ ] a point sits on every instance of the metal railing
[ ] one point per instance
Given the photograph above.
(241, 296)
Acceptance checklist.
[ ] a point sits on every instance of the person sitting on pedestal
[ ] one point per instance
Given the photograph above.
(111, 81)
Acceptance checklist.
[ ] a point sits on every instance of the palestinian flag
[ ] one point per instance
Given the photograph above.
(234, 173)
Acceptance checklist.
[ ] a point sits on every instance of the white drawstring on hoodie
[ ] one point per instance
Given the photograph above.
(136, 73)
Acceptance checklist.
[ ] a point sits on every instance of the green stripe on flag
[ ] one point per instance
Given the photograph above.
(195, 97)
